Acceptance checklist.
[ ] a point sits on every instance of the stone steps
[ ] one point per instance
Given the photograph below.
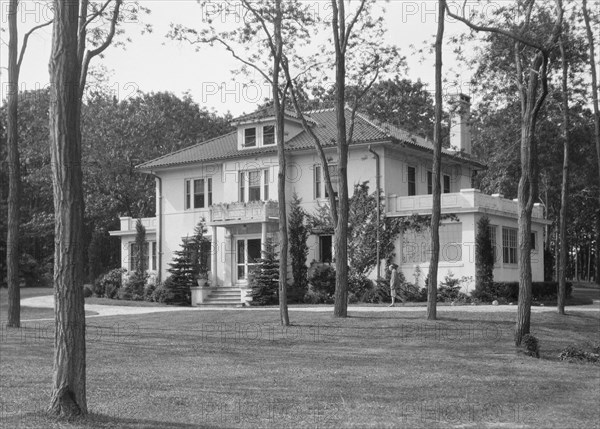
(223, 297)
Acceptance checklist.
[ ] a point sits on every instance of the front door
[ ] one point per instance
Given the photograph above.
(248, 254)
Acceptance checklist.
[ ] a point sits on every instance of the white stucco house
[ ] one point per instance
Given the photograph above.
(231, 182)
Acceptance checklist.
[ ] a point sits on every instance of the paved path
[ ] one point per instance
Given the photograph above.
(117, 310)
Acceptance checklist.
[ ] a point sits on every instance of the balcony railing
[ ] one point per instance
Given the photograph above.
(254, 211)
(128, 223)
(465, 200)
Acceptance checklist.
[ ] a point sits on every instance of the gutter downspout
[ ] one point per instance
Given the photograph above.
(159, 228)
(378, 186)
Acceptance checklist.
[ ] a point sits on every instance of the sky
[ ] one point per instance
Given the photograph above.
(152, 62)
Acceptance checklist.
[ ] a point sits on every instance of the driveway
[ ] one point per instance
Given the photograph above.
(47, 301)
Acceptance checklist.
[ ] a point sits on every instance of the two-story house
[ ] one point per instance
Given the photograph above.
(231, 182)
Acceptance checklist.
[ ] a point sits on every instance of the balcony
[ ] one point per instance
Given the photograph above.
(467, 200)
(128, 225)
(251, 212)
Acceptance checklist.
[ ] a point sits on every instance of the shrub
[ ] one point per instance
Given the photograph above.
(134, 286)
(413, 293)
(378, 293)
(322, 279)
(509, 291)
(449, 289)
(574, 353)
(298, 234)
(87, 291)
(532, 346)
(109, 284)
(265, 281)
(160, 292)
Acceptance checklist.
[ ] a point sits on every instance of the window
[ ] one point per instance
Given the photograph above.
(248, 255)
(198, 193)
(412, 181)
(492, 233)
(509, 245)
(533, 241)
(429, 182)
(446, 184)
(333, 176)
(266, 185)
(254, 185)
(268, 135)
(325, 248)
(249, 137)
(149, 256)
(317, 173)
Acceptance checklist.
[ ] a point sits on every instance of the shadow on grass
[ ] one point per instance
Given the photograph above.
(93, 420)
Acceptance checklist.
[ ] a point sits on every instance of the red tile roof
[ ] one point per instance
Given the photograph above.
(365, 131)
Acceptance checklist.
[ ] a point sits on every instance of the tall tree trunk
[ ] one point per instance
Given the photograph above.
(69, 381)
(436, 210)
(279, 106)
(564, 194)
(341, 228)
(590, 37)
(14, 174)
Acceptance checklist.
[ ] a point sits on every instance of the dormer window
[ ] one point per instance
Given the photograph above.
(250, 137)
(268, 135)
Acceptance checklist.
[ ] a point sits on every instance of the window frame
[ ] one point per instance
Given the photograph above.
(189, 190)
(264, 130)
(244, 184)
(331, 176)
(246, 137)
(412, 182)
(510, 246)
(429, 182)
(317, 181)
(446, 189)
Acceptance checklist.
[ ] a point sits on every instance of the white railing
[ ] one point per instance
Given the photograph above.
(251, 211)
(128, 223)
(465, 199)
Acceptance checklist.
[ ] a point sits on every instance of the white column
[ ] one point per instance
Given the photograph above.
(263, 237)
(214, 256)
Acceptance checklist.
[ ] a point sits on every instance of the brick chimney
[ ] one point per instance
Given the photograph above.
(460, 129)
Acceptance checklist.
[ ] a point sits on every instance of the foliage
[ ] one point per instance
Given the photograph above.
(34, 273)
(484, 255)
(136, 282)
(199, 244)
(182, 275)
(161, 292)
(298, 233)
(575, 353)
(265, 280)
(448, 290)
(532, 345)
(87, 290)
(509, 291)
(321, 280)
(109, 284)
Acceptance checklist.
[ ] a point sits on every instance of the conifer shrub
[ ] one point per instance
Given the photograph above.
(265, 280)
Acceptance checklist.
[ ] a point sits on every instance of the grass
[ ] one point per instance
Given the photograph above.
(240, 369)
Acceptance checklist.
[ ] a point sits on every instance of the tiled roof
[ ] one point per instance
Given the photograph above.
(365, 131)
(266, 112)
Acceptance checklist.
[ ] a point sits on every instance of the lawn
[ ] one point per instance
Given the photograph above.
(240, 369)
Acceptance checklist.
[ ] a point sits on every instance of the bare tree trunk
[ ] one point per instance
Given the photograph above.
(14, 174)
(564, 194)
(590, 37)
(341, 228)
(281, 182)
(436, 210)
(69, 381)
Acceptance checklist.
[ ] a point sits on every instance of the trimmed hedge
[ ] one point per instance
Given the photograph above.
(510, 291)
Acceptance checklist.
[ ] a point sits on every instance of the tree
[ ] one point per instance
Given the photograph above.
(264, 285)
(69, 61)
(484, 256)
(298, 233)
(564, 199)
(592, 60)
(278, 26)
(14, 165)
(134, 288)
(436, 210)
(531, 49)
(183, 274)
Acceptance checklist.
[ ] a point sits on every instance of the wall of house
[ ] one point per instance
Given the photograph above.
(457, 251)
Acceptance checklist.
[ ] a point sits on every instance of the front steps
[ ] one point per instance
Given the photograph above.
(223, 297)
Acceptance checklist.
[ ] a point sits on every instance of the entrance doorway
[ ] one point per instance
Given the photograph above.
(248, 254)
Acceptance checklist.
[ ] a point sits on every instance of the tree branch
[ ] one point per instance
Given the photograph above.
(352, 23)
(26, 39)
(96, 14)
(236, 56)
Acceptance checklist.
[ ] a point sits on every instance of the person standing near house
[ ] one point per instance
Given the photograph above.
(393, 282)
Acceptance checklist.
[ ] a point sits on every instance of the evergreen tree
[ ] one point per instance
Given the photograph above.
(134, 288)
(182, 275)
(484, 256)
(298, 233)
(200, 253)
(265, 283)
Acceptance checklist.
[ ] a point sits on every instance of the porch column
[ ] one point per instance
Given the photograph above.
(214, 256)
(263, 238)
